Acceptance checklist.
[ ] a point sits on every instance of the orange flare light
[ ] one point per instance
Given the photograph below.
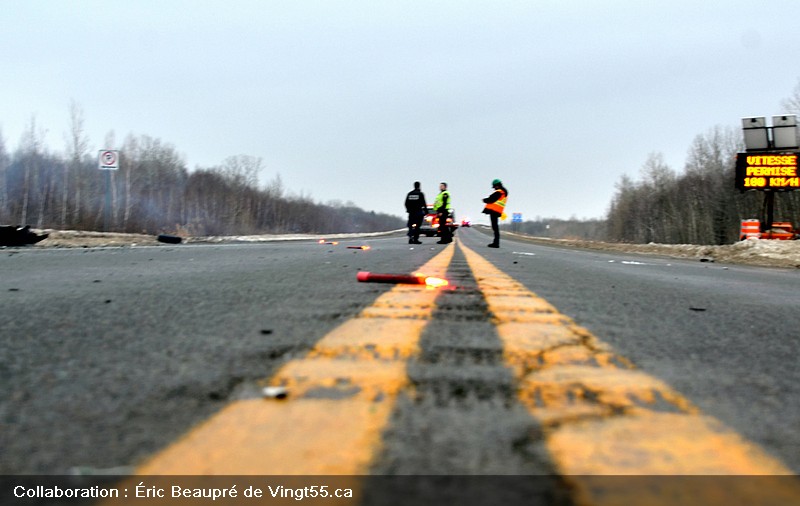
(410, 279)
(435, 282)
(358, 247)
(432, 282)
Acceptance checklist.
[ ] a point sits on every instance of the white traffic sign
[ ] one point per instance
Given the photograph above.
(108, 159)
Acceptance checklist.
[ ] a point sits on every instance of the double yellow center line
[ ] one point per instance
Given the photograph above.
(340, 398)
(601, 415)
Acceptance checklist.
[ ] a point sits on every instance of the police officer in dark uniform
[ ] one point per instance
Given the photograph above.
(417, 208)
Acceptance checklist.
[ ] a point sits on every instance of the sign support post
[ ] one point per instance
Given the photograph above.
(769, 206)
(107, 160)
(107, 209)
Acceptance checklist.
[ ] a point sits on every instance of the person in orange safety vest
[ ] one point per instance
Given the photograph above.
(495, 208)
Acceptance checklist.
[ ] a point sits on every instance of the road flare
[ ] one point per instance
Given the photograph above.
(339, 398)
(408, 279)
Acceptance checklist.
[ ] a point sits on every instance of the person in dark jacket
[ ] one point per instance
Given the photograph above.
(495, 208)
(417, 208)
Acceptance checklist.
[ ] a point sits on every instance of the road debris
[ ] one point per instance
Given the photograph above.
(11, 235)
(169, 239)
(410, 279)
(275, 392)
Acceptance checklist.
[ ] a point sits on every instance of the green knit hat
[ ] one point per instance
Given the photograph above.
(496, 182)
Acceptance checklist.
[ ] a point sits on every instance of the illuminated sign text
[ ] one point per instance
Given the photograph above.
(767, 171)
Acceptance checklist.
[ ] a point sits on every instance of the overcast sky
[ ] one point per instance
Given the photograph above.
(354, 100)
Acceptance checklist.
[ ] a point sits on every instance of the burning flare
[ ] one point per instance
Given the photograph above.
(430, 281)
(411, 279)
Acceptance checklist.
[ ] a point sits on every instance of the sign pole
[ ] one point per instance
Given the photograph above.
(107, 210)
(107, 161)
(769, 206)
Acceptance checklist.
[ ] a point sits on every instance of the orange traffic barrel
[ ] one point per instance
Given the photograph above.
(750, 228)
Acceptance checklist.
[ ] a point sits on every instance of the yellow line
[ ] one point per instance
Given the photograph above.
(602, 415)
(340, 398)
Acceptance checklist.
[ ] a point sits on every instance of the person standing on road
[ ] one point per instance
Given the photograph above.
(495, 207)
(417, 208)
(441, 206)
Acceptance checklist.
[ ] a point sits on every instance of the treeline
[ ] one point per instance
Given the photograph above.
(699, 206)
(153, 192)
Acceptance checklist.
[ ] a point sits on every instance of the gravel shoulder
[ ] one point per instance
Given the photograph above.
(765, 253)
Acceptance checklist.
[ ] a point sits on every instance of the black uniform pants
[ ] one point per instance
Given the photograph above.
(414, 222)
(495, 227)
(445, 232)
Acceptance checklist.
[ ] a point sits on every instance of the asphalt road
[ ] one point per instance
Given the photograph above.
(725, 336)
(109, 355)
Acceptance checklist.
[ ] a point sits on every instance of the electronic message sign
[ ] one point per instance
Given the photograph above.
(767, 171)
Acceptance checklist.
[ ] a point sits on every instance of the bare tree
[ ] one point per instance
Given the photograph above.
(129, 151)
(156, 179)
(710, 169)
(30, 151)
(242, 174)
(77, 150)
(658, 206)
(273, 214)
(792, 103)
(619, 211)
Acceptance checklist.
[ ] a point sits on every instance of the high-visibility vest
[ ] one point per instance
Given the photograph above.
(439, 200)
(499, 205)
